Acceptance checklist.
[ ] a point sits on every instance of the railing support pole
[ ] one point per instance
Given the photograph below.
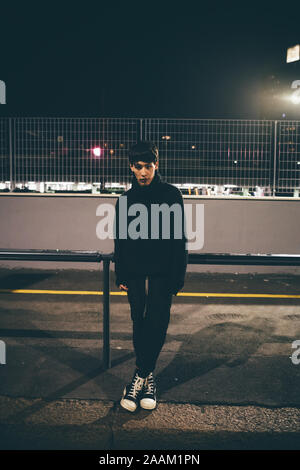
(106, 313)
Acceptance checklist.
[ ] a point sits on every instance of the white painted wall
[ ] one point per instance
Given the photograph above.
(68, 222)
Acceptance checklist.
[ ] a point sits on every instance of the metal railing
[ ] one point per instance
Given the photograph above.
(72, 256)
(94, 256)
(201, 156)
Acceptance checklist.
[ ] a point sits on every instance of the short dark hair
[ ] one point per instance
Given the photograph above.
(144, 151)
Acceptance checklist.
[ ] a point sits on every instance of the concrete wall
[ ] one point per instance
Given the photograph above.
(233, 225)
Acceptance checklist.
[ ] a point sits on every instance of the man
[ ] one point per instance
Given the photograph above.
(150, 264)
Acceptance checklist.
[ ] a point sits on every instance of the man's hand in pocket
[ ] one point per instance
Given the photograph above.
(123, 287)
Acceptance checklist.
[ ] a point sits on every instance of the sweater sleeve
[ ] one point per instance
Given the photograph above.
(119, 267)
(179, 253)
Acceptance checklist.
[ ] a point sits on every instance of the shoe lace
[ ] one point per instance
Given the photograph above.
(135, 386)
(149, 384)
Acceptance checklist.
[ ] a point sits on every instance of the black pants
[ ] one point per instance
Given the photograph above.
(150, 314)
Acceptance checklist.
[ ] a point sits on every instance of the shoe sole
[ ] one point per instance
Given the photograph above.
(128, 405)
(147, 406)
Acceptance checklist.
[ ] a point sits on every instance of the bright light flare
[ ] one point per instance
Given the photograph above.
(295, 98)
(97, 152)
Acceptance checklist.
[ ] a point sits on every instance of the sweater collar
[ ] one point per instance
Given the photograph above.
(146, 189)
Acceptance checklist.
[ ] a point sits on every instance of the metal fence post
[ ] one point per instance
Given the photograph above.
(141, 130)
(275, 158)
(11, 160)
(106, 320)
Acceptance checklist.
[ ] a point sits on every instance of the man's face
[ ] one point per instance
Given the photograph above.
(144, 172)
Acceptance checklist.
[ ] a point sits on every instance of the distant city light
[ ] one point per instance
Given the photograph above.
(97, 151)
(293, 53)
(166, 137)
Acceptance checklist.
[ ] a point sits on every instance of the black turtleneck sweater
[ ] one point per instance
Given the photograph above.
(162, 257)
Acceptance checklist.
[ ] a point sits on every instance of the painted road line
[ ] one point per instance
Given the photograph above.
(45, 291)
(210, 294)
(180, 294)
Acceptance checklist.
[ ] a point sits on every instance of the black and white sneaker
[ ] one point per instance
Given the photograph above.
(132, 393)
(148, 398)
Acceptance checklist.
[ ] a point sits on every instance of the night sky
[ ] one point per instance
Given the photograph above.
(142, 59)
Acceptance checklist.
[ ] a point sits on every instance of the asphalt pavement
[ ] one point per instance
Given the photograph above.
(228, 376)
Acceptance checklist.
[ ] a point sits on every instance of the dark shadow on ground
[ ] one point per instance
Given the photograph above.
(211, 347)
(25, 279)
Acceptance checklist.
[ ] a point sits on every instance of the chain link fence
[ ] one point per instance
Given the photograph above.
(200, 156)
(288, 157)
